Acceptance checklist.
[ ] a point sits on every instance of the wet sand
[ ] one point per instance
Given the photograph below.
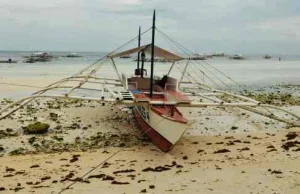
(255, 163)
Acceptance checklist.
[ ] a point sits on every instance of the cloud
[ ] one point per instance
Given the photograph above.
(203, 25)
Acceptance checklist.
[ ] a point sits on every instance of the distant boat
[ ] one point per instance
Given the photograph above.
(8, 61)
(125, 57)
(267, 57)
(39, 57)
(198, 57)
(218, 54)
(155, 60)
(73, 55)
(237, 57)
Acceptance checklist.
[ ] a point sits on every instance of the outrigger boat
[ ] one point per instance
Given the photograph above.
(155, 101)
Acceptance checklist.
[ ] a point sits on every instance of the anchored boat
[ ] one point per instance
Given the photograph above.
(155, 100)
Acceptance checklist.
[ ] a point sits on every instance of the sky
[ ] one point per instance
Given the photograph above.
(204, 26)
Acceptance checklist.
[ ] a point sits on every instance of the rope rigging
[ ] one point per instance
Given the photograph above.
(190, 53)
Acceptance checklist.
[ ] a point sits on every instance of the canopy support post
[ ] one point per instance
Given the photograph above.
(171, 68)
(184, 71)
(139, 45)
(152, 56)
(116, 69)
(143, 60)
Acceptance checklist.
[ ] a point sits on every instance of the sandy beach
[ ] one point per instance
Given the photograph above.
(99, 149)
(224, 151)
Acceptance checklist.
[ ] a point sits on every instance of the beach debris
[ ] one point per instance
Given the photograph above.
(18, 188)
(272, 150)
(221, 151)
(119, 183)
(296, 150)
(98, 176)
(184, 157)
(2, 189)
(78, 179)
(151, 186)
(20, 172)
(8, 175)
(244, 149)
(108, 178)
(74, 158)
(291, 135)
(32, 140)
(67, 177)
(35, 166)
(290, 144)
(45, 178)
(234, 128)
(275, 171)
(36, 128)
(124, 171)
(230, 143)
(8, 169)
(144, 191)
(156, 169)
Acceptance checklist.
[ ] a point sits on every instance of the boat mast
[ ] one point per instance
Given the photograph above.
(139, 45)
(152, 55)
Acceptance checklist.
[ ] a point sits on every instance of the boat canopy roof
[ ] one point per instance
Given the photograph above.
(158, 52)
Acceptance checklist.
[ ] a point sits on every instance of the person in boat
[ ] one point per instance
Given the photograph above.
(141, 71)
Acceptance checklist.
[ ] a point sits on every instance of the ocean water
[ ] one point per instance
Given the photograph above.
(255, 71)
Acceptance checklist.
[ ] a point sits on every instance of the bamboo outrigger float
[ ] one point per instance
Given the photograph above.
(154, 100)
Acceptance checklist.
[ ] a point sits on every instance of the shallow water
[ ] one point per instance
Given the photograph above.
(253, 72)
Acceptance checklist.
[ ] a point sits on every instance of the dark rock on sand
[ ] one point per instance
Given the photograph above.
(156, 169)
(276, 172)
(78, 179)
(221, 151)
(290, 144)
(124, 171)
(108, 178)
(36, 128)
(35, 166)
(45, 178)
(31, 140)
(244, 149)
(67, 177)
(7, 169)
(98, 176)
(74, 158)
(119, 183)
(291, 135)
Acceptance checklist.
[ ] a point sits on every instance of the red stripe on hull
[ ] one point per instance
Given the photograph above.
(158, 140)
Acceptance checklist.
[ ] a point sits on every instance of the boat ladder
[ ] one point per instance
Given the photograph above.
(126, 95)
